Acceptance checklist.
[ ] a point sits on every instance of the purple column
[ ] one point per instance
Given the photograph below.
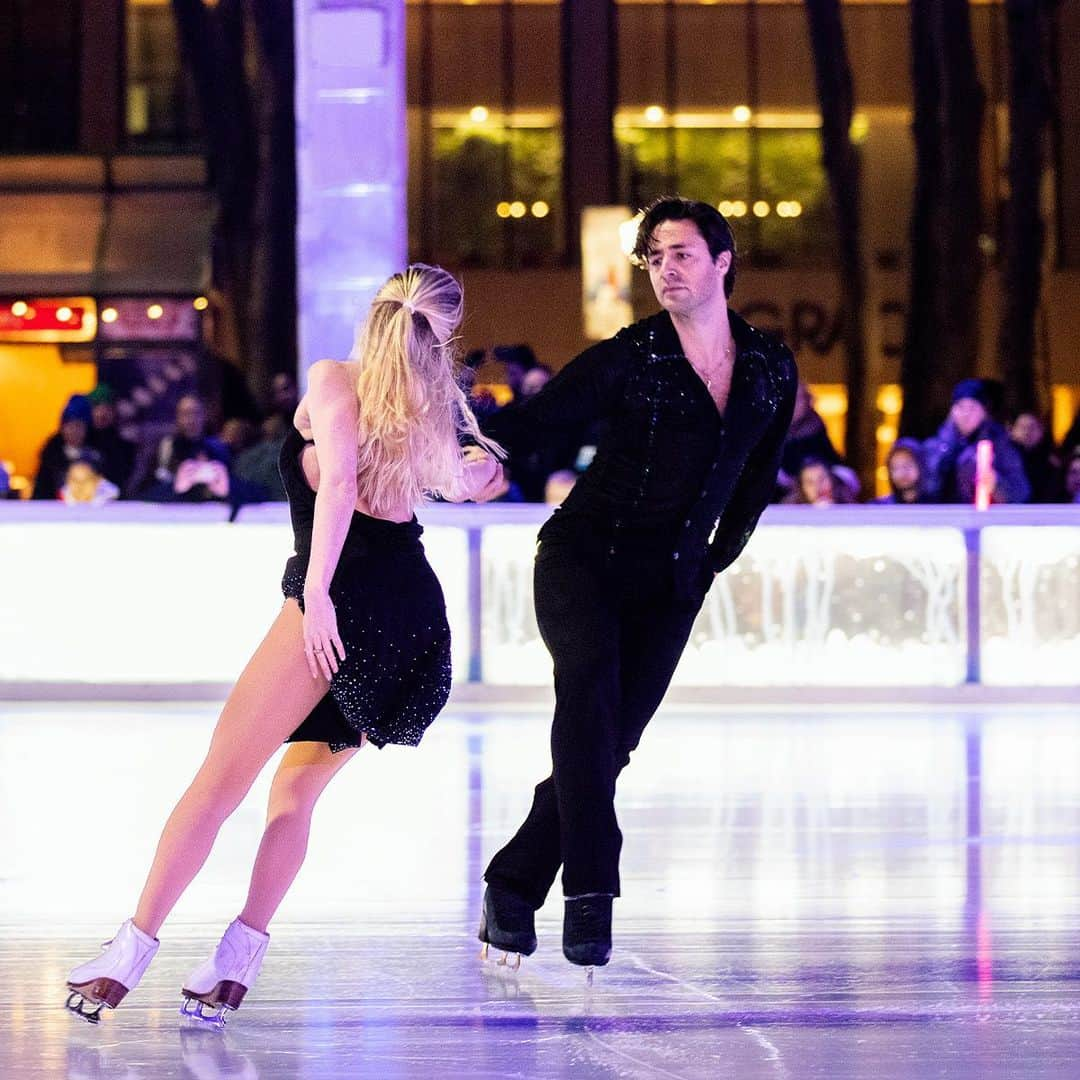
(351, 164)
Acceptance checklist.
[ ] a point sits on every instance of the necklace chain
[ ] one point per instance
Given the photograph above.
(728, 353)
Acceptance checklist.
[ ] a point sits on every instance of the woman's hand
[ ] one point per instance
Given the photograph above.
(322, 643)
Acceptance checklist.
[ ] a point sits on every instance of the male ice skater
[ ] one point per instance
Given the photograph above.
(695, 404)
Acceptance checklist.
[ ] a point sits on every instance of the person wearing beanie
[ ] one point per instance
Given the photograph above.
(950, 455)
(117, 453)
(62, 448)
(907, 475)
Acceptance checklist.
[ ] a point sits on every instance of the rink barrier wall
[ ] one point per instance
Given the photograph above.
(860, 603)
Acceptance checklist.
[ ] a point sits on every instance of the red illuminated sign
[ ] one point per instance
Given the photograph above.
(56, 319)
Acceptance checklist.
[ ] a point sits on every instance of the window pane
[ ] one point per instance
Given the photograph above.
(160, 106)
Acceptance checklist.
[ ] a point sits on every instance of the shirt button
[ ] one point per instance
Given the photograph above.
(676, 555)
(686, 523)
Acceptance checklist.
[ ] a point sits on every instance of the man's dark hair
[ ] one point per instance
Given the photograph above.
(712, 225)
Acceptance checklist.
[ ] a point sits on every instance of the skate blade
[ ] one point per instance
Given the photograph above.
(76, 1003)
(511, 961)
(193, 1012)
(589, 975)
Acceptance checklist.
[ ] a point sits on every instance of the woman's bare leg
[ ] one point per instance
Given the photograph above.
(301, 778)
(274, 693)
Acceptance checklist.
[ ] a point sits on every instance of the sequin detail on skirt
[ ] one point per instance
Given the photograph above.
(391, 615)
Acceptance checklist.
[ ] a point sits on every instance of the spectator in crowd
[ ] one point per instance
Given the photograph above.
(1072, 439)
(117, 453)
(816, 484)
(482, 401)
(516, 361)
(559, 484)
(807, 437)
(950, 456)
(62, 448)
(5, 482)
(189, 465)
(85, 484)
(256, 469)
(238, 434)
(535, 380)
(906, 475)
(284, 397)
(1042, 466)
(1072, 478)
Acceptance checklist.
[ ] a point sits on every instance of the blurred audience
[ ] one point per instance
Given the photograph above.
(516, 361)
(818, 484)
(950, 456)
(535, 380)
(256, 468)
(807, 438)
(906, 476)
(64, 447)
(117, 453)
(1042, 466)
(85, 484)
(1072, 477)
(190, 466)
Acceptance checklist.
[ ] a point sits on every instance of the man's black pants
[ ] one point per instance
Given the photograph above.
(615, 628)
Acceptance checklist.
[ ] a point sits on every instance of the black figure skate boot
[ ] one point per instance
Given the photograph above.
(587, 929)
(509, 923)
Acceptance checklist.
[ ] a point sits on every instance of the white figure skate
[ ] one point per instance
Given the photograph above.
(107, 979)
(222, 981)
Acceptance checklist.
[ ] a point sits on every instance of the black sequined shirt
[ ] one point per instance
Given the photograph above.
(667, 463)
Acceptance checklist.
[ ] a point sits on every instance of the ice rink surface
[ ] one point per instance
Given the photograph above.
(806, 894)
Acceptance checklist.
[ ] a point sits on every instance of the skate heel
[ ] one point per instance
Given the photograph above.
(106, 992)
(227, 995)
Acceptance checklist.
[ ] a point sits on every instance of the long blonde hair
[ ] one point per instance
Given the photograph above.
(413, 413)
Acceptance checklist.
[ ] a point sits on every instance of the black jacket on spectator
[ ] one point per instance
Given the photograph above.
(666, 459)
(950, 464)
(53, 467)
(117, 455)
(1043, 471)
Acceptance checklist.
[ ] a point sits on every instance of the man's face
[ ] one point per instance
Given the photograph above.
(190, 418)
(1027, 430)
(684, 275)
(73, 432)
(903, 471)
(103, 414)
(967, 414)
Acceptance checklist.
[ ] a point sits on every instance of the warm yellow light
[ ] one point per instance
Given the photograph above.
(654, 114)
(794, 208)
(738, 208)
(742, 113)
(109, 315)
(20, 308)
(889, 399)
(540, 208)
(155, 311)
(63, 314)
(200, 303)
(517, 209)
(503, 209)
(628, 233)
(727, 208)
(478, 114)
(761, 208)
(886, 434)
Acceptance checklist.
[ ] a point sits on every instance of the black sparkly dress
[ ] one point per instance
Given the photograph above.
(391, 617)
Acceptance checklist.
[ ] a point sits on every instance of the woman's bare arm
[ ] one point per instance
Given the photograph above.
(333, 411)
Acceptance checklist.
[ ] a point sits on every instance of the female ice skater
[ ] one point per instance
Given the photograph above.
(696, 404)
(361, 649)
